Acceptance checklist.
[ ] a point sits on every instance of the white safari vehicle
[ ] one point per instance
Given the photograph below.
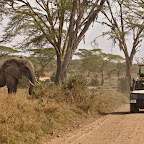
(137, 92)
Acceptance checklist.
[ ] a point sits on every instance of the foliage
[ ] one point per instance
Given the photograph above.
(75, 66)
(52, 24)
(96, 61)
(44, 56)
(4, 51)
(53, 76)
(94, 82)
(23, 83)
(83, 53)
(125, 23)
(76, 81)
(26, 119)
(46, 82)
(4, 9)
(123, 85)
(39, 73)
(120, 68)
(34, 61)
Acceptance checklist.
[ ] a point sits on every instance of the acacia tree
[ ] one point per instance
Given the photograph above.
(4, 51)
(59, 23)
(44, 56)
(96, 61)
(120, 68)
(125, 18)
(4, 9)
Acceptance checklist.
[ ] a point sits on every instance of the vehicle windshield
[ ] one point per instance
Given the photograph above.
(139, 85)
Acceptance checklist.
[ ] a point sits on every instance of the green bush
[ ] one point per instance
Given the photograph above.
(23, 82)
(74, 82)
(73, 91)
(39, 73)
(123, 85)
(53, 76)
(76, 92)
(46, 82)
(94, 82)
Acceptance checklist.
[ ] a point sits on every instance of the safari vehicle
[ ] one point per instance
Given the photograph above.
(137, 92)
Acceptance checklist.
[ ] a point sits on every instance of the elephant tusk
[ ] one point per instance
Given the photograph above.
(31, 83)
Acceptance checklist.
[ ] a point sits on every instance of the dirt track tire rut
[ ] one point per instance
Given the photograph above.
(119, 127)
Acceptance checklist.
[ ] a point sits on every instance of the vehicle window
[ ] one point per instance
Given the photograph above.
(139, 85)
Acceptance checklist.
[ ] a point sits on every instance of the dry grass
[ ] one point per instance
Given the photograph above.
(106, 101)
(18, 120)
(25, 120)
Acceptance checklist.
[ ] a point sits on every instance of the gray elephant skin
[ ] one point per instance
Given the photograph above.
(12, 69)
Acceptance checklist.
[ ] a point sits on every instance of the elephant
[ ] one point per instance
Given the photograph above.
(12, 69)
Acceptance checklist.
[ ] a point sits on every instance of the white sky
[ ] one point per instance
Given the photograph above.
(105, 44)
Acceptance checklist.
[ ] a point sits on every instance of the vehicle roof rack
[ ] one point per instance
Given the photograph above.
(140, 64)
(140, 74)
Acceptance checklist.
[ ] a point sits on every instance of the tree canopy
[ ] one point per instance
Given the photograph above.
(44, 56)
(6, 51)
(60, 24)
(96, 61)
(125, 21)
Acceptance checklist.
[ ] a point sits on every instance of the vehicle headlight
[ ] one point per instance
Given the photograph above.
(134, 96)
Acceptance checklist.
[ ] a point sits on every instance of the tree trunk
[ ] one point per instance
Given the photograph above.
(74, 38)
(128, 69)
(66, 62)
(102, 78)
(58, 71)
(62, 66)
(42, 70)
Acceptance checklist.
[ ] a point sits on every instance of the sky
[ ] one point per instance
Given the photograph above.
(103, 42)
(106, 44)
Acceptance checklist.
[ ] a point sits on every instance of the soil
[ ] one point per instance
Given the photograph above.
(118, 127)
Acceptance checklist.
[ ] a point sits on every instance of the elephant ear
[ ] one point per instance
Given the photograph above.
(11, 67)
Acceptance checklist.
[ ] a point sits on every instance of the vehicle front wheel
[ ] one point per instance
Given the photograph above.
(133, 108)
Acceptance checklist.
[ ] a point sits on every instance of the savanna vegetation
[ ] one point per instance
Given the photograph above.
(52, 110)
(69, 91)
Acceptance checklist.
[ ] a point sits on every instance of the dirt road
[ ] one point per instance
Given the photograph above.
(119, 127)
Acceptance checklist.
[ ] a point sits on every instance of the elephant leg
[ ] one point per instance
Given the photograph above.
(12, 84)
(12, 89)
(2, 80)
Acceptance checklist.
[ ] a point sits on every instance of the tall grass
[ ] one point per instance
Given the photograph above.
(26, 119)
(19, 122)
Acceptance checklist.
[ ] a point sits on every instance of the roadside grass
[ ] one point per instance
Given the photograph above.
(26, 119)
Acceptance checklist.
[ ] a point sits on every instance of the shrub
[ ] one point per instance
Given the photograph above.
(76, 82)
(23, 82)
(73, 91)
(52, 78)
(123, 85)
(39, 73)
(46, 82)
(76, 92)
(94, 82)
(27, 121)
